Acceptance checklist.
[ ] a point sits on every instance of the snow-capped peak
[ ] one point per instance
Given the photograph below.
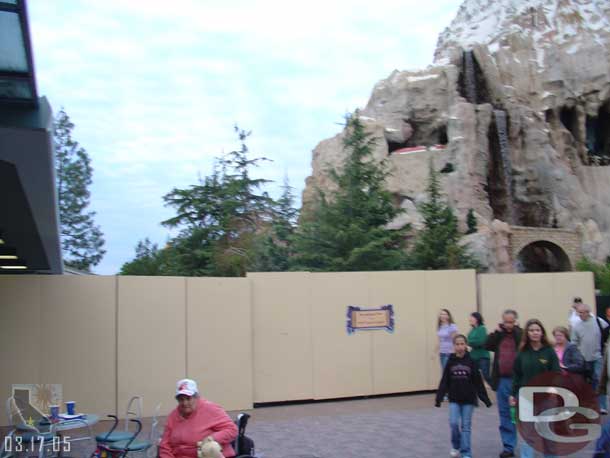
(548, 22)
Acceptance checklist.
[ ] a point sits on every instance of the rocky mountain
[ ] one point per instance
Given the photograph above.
(549, 24)
(515, 111)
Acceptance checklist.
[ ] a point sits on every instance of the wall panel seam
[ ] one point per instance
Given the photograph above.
(251, 309)
(186, 329)
(310, 285)
(116, 344)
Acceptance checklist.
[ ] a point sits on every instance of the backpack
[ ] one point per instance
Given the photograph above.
(603, 333)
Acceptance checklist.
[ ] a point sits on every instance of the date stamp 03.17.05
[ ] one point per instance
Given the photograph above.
(17, 444)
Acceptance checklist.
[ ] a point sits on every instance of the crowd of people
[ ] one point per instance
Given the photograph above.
(520, 355)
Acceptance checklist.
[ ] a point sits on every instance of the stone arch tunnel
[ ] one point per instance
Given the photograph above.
(535, 249)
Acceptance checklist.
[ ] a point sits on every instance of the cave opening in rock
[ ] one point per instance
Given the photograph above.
(499, 179)
(442, 138)
(569, 119)
(420, 133)
(448, 168)
(598, 136)
(542, 256)
(394, 146)
(471, 82)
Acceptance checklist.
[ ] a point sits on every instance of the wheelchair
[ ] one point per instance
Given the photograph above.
(243, 445)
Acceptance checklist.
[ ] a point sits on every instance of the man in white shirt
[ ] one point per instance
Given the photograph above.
(574, 317)
(587, 335)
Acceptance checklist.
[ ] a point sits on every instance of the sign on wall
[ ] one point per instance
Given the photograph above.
(35, 399)
(370, 319)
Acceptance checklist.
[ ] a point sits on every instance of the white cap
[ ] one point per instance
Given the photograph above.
(187, 387)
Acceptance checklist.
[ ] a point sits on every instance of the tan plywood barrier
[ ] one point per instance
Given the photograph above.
(496, 294)
(21, 339)
(269, 337)
(219, 339)
(398, 357)
(567, 285)
(533, 298)
(342, 363)
(151, 340)
(79, 318)
(547, 297)
(454, 290)
(282, 340)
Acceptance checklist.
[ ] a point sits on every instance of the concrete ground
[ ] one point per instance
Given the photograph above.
(390, 427)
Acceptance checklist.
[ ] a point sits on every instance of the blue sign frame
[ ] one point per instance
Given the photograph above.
(351, 328)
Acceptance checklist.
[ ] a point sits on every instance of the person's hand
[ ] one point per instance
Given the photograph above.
(512, 401)
(500, 327)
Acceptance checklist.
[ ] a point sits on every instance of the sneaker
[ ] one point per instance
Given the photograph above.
(454, 453)
(603, 411)
(506, 454)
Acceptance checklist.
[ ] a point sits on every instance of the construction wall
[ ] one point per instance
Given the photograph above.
(547, 297)
(60, 330)
(151, 341)
(265, 338)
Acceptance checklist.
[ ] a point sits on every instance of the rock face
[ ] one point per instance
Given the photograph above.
(517, 103)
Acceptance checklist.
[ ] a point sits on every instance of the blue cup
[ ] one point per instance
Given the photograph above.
(70, 407)
(54, 412)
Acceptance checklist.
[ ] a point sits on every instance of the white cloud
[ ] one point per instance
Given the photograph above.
(154, 88)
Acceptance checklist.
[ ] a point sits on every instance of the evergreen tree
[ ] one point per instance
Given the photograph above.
(82, 240)
(346, 231)
(437, 245)
(220, 218)
(471, 222)
(601, 273)
(274, 247)
(146, 262)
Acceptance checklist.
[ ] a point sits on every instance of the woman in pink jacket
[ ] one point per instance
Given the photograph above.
(193, 420)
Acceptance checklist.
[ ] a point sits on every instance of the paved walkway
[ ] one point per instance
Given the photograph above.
(389, 427)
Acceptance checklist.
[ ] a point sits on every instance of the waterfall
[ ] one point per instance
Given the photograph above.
(470, 80)
(502, 129)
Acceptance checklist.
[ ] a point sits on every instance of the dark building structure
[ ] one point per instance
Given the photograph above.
(29, 226)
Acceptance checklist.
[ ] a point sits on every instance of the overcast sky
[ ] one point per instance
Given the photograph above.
(154, 88)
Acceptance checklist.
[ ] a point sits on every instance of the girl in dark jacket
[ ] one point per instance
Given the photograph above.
(463, 383)
(536, 357)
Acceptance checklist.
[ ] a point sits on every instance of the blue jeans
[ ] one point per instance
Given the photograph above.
(527, 451)
(483, 365)
(444, 359)
(594, 369)
(508, 430)
(460, 434)
(602, 448)
(597, 374)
